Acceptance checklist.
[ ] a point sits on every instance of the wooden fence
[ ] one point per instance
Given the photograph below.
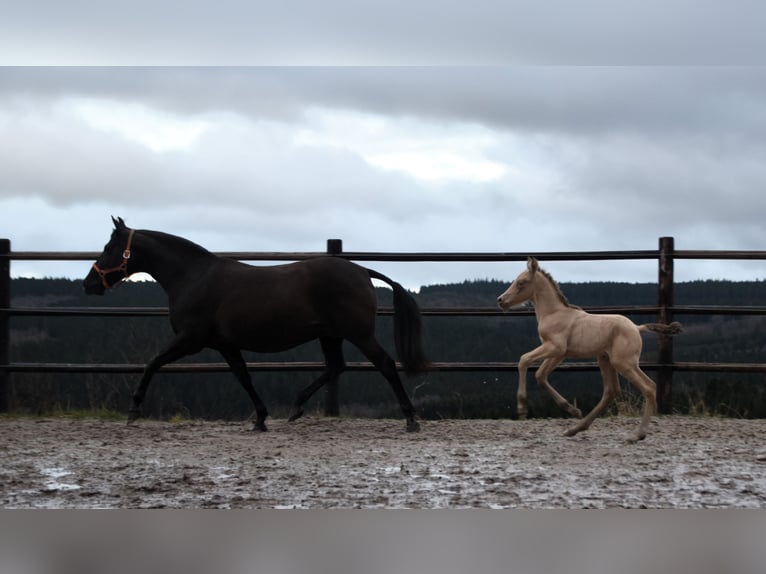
(665, 311)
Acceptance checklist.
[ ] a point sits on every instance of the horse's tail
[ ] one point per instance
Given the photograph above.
(408, 336)
(673, 328)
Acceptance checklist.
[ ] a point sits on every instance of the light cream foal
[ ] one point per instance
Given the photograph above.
(568, 331)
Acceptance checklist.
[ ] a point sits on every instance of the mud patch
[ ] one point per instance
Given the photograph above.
(353, 463)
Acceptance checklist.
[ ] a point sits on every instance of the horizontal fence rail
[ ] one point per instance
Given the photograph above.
(303, 366)
(384, 311)
(417, 257)
(665, 311)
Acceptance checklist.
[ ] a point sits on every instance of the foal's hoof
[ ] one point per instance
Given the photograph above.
(297, 413)
(259, 426)
(571, 432)
(634, 438)
(413, 425)
(574, 412)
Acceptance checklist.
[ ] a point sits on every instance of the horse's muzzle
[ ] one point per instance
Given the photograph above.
(508, 304)
(93, 284)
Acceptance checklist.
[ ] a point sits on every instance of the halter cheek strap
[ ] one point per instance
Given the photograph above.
(121, 267)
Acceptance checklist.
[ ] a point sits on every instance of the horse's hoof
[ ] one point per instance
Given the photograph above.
(259, 426)
(635, 438)
(571, 432)
(413, 426)
(133, 416)
(297, 413)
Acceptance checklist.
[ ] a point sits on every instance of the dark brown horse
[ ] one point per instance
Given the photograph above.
(228, 306)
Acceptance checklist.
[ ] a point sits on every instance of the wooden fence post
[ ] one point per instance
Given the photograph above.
(331, 401)
(665, 342)
(5, 303)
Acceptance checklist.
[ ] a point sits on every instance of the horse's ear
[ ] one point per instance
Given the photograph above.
(118, 223)
(532, 265)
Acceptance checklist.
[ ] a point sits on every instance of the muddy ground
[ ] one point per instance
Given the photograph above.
(685, 462)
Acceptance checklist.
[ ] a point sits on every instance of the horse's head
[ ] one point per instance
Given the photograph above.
(111, 267)
(522, 288)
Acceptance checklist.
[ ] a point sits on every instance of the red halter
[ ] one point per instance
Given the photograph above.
(121, 267)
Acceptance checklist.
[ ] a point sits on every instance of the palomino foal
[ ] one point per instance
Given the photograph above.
(568, 331)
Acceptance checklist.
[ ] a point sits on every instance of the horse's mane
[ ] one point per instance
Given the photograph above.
(557, 289)
(188, 247)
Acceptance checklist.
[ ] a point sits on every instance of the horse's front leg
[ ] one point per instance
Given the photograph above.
(521, 391)
(180, 346)
(526, 360)
(551, 356)
(548, 366)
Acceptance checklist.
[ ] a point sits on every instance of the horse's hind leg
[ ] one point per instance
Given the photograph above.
(239, 368)
(180, 346)
(386, 365)
(611, 390)
(335, 364)
(648, 388)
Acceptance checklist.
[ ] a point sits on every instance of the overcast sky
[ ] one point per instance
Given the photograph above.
(496, 158)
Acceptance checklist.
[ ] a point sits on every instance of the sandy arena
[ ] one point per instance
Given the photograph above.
(685, 462)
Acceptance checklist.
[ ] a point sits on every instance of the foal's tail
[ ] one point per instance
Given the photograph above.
(673, 328)
(408, 336)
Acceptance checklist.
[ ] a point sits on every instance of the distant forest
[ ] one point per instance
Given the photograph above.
(436, 395)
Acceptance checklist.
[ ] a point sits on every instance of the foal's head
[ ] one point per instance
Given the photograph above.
(533, 283)
(111, 267)
(522, 288)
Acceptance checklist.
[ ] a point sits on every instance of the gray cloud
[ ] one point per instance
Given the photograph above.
(595, 158)
(396, 32)
(569, 99)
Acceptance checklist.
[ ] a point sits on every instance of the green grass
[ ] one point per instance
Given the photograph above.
(87, 414)
(98, 414)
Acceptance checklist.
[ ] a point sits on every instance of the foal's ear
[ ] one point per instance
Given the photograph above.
(532, 265)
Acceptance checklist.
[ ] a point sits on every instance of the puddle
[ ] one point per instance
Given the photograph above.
(53, 483)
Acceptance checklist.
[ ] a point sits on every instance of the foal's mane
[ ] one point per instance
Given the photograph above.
(557, 289)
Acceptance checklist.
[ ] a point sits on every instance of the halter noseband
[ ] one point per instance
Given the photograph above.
(121, 267)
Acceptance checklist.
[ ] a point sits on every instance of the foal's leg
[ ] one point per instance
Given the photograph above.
(542, 374)
(544, 351)
(525, 361)
(386, 365)
(611, 390)
(335, 364)
(648, 388)
(239, 368)
(180, 346)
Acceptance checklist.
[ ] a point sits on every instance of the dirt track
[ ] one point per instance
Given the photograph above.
(353, 463)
